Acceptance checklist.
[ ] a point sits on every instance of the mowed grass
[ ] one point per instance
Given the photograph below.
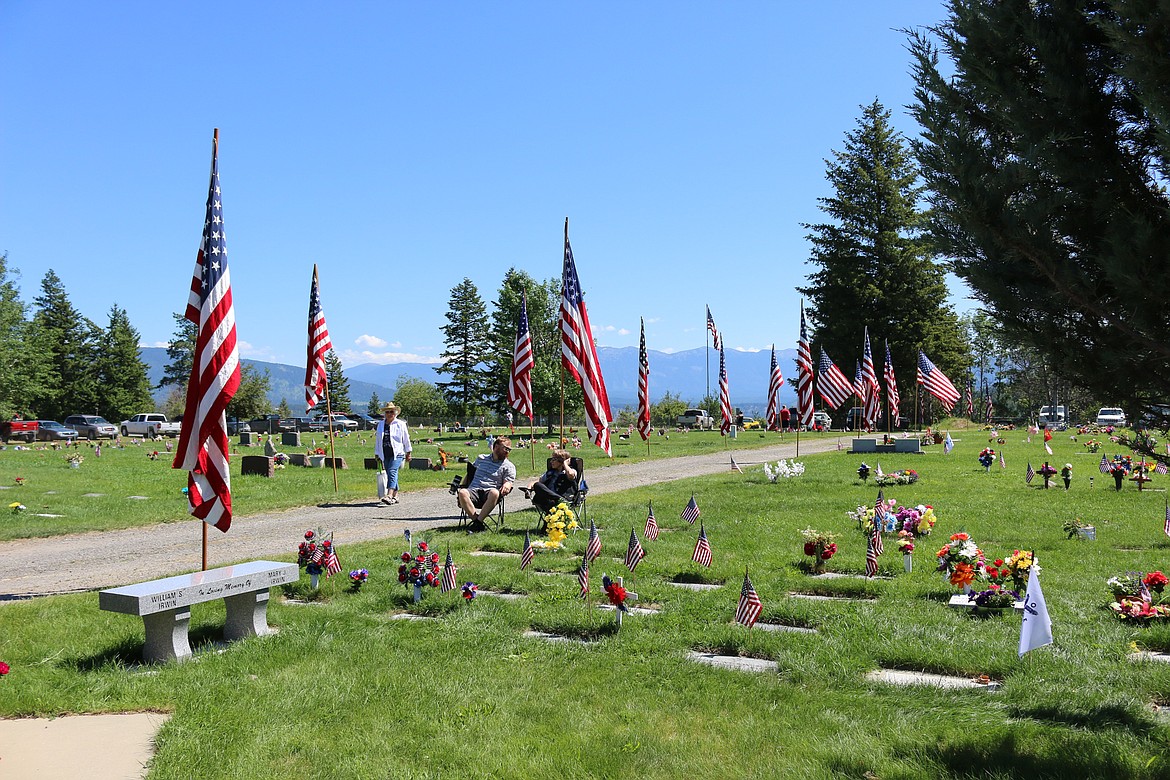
(344, 690)
(97, 496)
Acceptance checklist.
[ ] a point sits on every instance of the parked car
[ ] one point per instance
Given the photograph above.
(822, 419)
(340, 421)
(236, 425)
(21, 430)
(1111, 415)
(91, 426)
(51, 430)
(364, 421)
(1052, 417)
(273, 423)
(750, 423)
(305, 424)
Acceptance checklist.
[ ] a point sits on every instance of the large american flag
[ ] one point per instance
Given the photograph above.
(873, 391)
(858, 387)
(936, 383)
(892, 388)
(634, 552)
(593, 548)
(690, 512)
(319, 344)
(702, 553)
(651, 531)
(520, 380)
(990, 408)
(643, 386)
(804, 376)
(831, 383)
(716, 342)
(749, 607)
(450, 574)
(528, 553)
(579, 353)
(970, 400)
(724, 397)
(215, 370)
(775, 383)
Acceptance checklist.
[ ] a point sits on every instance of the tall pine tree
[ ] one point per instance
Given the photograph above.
(70, 344)
(23, 372)
(123, 387)
(338, 385)
(180, 353)
(468, 346)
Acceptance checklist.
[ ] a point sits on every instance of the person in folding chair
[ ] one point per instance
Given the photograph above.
(494, 475)
(557, 484)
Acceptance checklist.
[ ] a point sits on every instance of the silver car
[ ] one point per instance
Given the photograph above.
(91, 426)
(51, 430)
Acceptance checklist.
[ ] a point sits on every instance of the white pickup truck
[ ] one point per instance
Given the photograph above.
(150, 426)
(696, 418)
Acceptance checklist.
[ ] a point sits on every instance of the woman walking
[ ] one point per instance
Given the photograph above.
(391, 448)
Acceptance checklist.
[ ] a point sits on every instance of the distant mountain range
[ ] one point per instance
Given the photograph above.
(681, 373)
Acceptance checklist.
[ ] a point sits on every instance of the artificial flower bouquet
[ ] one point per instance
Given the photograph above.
(986, 457)
(905, 542)
(470, 590)
(864, 515)
(311, 552)
(556, 522)
(616, 594)
(903, 477)
(961, 560)
(863, 471)
(419, 569)
(1011, 571)
(1092, 445)
(995, 597)
(819, 545)
(1138, 596)
(783, 469)
(357, 578)
(917, 520)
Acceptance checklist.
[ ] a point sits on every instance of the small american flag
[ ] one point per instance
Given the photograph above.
(634, 552)
(1166, 527)
(724, 397)
(735, 466)
(871, 556)
(834, 388)
(716, 342)
(520, 380)
(583, 577)
(528, 553)
(450, 574)
(1103, 467)
(593, 549)
(644, 427)
(651, 531)
(935, 382)
(318, 555)
(579, 351)
(775, 383)
(702, 553)
(879, 546)
(749, 607)
(804, 376)
(690, 512)
(879, 508)
(1161, 468)
(319, 343)
(892, 387)
(1030, 474)
(332, 565)
(1144, 592)
(1002, 462)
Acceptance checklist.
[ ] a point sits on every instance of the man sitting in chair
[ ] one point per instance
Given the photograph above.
(494, 475)
(555, 485)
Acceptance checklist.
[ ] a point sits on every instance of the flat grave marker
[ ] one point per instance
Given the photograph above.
(734, 662)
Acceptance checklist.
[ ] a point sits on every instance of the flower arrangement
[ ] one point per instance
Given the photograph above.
(4, 668)
(311, 552)
(863, 471)
(1136, 609)
(1138, 596)
(357, 578)
(318, 451)
(152, 455)
(903, 477)
(995, 597)
(419, 569)
(783, 469)
(1092, 445)
(1141, 474)
(986, 457)
(558, 520)
(1073, 527)
(74, 459)
(20, 481)
(1014, 570)
(905, 542)
(820, 545)
(864, 515)
(16, 507)
(916, 520)
(470, 591)
(961, 560)
(615, 593)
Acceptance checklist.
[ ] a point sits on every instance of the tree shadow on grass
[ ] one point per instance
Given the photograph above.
(1024, 756)
(1106, 717)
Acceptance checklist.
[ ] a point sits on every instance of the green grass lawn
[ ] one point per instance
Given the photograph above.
(344, 690)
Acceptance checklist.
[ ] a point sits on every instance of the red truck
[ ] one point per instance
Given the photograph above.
(21, 430)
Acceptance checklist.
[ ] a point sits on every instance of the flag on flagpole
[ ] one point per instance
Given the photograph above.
(804, 377)
(1047, 448)
(747, 611)
(634, 552)
(831, 383)
(215, 370)
(690, 512)
(1002, 462)
(579, 353)
(735, 466)
(702, 553)
(871, 558)
(775, 383)
(651, 531)
(520, 380)
(858, 387)
(319, 344)
(716, 342)
(593, 548)
(450, 573)
(872, 397)
(970, 400)
(1103, 466)
(987, 396)
(332, 564)
(935, 382)
(724, 397)
(1036, 629)
(1030, 474)
(643, 386)
(948, 444)
(892, 388)
(878, 471)
(528, 553)
(583, 577)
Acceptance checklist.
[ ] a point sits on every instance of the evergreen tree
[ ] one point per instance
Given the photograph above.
(467, 348)
(875, 267)
(23, 372)
(251, 399)
(374, 407)
(180, 353)
(123, 388)
(282, 408)
(70, 343)
(1047, 148)
(338, 385)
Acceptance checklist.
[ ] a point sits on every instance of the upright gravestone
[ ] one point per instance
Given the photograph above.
(290, 439)
(247, 439)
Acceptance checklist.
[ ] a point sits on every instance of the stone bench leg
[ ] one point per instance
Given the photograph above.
(247, 615)
(166, 636)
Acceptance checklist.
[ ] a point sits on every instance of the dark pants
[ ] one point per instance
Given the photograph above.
(545, 499)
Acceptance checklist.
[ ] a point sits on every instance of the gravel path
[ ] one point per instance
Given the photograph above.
(106, 559)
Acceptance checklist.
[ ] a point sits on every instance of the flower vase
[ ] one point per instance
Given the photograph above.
(74, 464)
(417, 592)
(313, 581)
(908, 562)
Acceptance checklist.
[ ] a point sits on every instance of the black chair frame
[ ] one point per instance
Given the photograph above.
(498, 514)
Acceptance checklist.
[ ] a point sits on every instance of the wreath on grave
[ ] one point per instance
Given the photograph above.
(903, 477)
(419, 569)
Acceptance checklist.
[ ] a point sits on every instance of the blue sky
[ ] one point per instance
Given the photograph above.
(403, 146)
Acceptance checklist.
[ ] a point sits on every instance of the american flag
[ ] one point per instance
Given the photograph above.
(651, 531)
(583, 577)
(749, 607)
(1166, 527)
(215, 370)
(332, 564)
(1144, 592)
(634, 552)
(690, 512)
(775, 383)
(871, 556)
(990, 408)
(936, 382)
(879, 507)
(319, 344)
(872, 397)
(593, 548)
(450, 574)
(858, 387)
(579, 353)
(527, 554)
(702, 553)
(1030, 474)
(318, 555)
(716, 342)
(643, 386)
(1161, 468)
(735, 466)
(892, 388)
(1002, 462)
(520, 380)
(804, 377)
(831, 383)
(1103, 467)
(879, 546)
(724, 397)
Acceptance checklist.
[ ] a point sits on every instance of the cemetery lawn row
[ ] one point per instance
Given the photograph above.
(124, 488)
(345, 690)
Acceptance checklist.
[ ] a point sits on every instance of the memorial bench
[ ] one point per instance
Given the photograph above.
(165, 605)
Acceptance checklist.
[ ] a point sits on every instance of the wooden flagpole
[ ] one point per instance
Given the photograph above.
(329, 417)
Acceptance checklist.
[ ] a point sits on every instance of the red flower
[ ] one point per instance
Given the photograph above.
(422, 546)
(326, 544)
(810, 548)
(430, 579)
(434, 557)
(414, 573)
(309, 534)
(4, 668)
(999, 561)
(1155, 580)
(401, 577)
(406, 556)
(421, 558)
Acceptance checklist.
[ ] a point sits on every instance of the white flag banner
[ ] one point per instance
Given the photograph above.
(1047, 449)
(1036, 630)
(949, 444)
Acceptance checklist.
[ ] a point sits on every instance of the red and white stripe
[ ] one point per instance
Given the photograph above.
(872, 398)
(775, 383)
(747, 611)
(643, 387)
(724, 397)
(834, 388)
(579, 354)
(319, 344)
(804, 377)
(520, 380)
(936, 383)
(892, 396)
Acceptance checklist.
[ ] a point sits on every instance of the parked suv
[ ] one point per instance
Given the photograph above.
(51, 430)
(273, 423)
(1111, 415)
(90, 426)
(304, 424)
(364, 421)
(340, 421)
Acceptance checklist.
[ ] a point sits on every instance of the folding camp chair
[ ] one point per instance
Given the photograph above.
(498, 514)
